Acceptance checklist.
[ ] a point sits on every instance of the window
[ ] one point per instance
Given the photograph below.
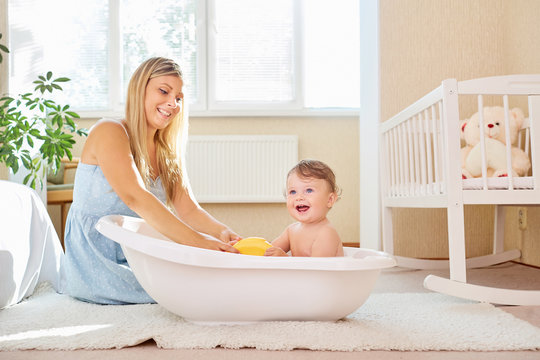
(253, 48)
(238, 56)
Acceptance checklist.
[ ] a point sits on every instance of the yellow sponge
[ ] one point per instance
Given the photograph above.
(252, 246)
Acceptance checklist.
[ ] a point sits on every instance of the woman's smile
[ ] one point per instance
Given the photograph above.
(164, 112)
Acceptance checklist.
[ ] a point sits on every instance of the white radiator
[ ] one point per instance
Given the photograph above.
(240, 168)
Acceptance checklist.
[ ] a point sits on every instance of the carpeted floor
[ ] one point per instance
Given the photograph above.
(394, 280)
(387, 321)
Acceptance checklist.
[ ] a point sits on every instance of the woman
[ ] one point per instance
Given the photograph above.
(134, 167)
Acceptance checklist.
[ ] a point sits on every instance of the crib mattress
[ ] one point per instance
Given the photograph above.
(498, 183)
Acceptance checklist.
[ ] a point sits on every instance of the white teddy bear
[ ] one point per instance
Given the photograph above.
(495, 140)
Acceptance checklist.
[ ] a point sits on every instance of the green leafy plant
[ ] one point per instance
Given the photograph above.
(2, 48)
(33, 121)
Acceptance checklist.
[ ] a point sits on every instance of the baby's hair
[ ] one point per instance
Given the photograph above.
(316, 169)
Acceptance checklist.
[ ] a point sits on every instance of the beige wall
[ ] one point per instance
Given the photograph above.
(423, 42)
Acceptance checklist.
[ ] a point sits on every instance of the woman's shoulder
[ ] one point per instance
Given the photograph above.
(109, 127)
(104, 137)
(109, 123)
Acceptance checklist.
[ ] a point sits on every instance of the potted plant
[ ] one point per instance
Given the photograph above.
(35, 131)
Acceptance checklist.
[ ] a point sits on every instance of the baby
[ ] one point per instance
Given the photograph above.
(311, 193)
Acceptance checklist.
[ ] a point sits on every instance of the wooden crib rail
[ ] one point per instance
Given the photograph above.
(414, 144)
(413, 154)
(420, 105)
(521, 84)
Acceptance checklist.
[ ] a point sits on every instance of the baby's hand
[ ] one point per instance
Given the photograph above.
(275, 251)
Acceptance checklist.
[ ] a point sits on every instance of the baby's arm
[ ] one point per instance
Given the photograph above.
(280, 245)
(327, 243)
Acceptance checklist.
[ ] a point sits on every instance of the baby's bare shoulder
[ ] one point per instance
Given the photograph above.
(329, 231)
(327, 242)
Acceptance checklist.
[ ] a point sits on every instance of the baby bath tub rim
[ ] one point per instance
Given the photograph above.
(135, 233)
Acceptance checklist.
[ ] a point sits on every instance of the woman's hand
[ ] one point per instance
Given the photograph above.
(275, 251)
(211, 243)
(230, 237)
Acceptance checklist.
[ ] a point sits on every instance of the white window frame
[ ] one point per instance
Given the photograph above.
(238, 108)
(370, 206)
(115, 66)
(200, 106)
(206, 105)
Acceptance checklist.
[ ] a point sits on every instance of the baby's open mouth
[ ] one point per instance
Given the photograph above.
(302, 208)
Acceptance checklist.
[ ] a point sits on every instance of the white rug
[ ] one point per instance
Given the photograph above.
(409, 321)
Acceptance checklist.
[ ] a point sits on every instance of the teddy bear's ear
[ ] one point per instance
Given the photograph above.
(462, 125)
(518, 116)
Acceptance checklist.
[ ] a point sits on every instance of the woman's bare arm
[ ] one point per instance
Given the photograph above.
(108, 146)
(189, 210)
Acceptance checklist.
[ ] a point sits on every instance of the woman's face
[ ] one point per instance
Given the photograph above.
(163, 100)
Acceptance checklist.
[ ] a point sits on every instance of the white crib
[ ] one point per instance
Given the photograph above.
(420, 167)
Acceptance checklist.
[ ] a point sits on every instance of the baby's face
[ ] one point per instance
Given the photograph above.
(308, 199)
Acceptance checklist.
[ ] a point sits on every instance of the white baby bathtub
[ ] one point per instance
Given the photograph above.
(208, 286)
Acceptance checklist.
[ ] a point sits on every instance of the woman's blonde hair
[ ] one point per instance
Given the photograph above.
(169, 142)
